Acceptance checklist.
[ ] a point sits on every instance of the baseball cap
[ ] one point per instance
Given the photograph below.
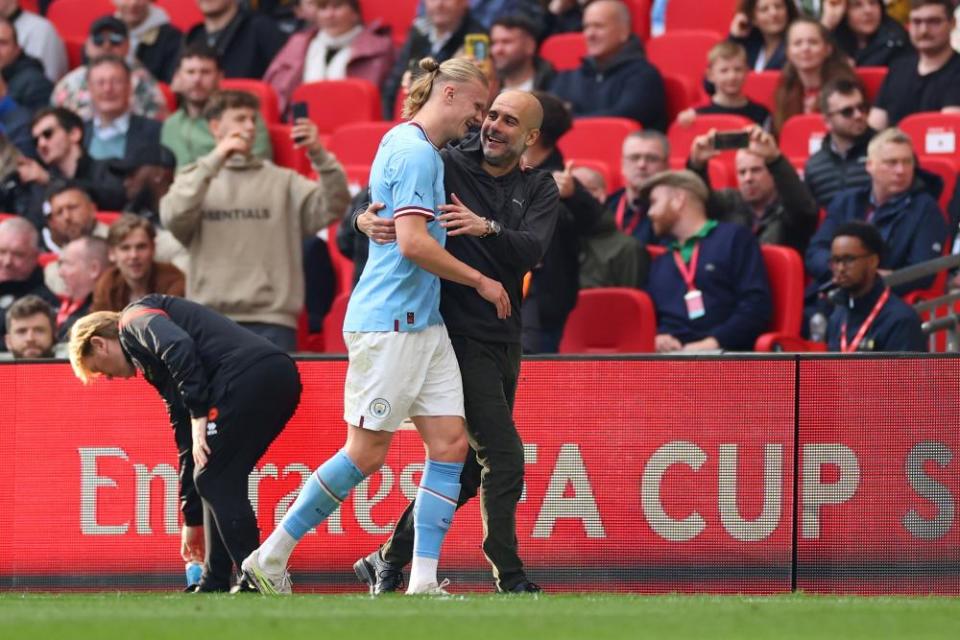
(109, 23)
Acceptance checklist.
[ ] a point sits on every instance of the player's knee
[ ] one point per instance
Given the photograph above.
(451, 447)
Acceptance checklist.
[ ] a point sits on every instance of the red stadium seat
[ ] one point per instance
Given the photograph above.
(5, 216)
(681, 93)
(872, 78)
(934, 134)
(597, 139)
(333, 103)
(108, 217)
(184, 14)
(721, 170)
(73, 18)
(397, 14)
(610, 320)
(269, 105)
(681, 137)
(74, 47)
(564, 50)
(714, 15)
(785, 272)
(785, 342)
(284, 153)
(683, 53)
(761, 86)
(947, 171)
(611, 178)
(802, 135)
(357, 142)
(168, 96)
(333, 325)
(358, 176)
(640, 14)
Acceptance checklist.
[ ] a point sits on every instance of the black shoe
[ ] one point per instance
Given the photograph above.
(206, 588)
(524, 586)
(382, 576)
(243, 586)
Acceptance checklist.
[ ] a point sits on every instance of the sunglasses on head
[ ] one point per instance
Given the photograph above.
(113, 38)
(46, 134)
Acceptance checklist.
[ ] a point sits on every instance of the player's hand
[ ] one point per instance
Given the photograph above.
(236, 142)
(493, 292)
(201, 451)
(305, 135)
(30, 170)
(665, 343)
(380, 230)
(191, 544)
(459, 220)
(565, 180)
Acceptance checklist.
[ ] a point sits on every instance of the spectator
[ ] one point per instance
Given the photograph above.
(868, 317)
(31, 325)
(187, 132)
(134, 271)
(908, 218)
(147, 177)
(108, 37)
(26, 82)
(615, 78)
(38, 38)
(81, 264)
(865, 33)
(243, 221)
(20, 274)
(927, 79)
(564, 16)
(438, 33)
(608, 258)
(812, 61)
(245, 42)
(58, 136)
(513, 52)
(14, 121)
(115, 131)
(645, 153)
(486, 12)
(335, 46)
(556, 281)
(727, 72)
(710, 291)
(154, 42)
(761, 27)
(770, 199)
(841, 161)
(72, 215)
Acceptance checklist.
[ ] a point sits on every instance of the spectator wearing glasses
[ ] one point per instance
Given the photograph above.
(841, 162)
(109, 37)
(869, 317)
(26, 82)
(645, 154)
(927, 80)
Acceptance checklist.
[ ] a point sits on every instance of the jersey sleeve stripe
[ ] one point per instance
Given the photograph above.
(412, 211)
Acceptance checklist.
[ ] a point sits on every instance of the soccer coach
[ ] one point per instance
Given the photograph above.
(519, 210)
(229, 393)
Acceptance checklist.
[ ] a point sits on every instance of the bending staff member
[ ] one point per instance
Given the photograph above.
(229, 393)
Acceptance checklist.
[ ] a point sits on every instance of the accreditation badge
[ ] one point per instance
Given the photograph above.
(694, 300)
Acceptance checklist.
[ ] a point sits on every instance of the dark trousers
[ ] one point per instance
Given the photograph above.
(252, 410)
(282, 337)
(490, 371)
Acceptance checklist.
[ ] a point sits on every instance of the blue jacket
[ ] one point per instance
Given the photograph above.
(911, 224)
(896, 327)
(628, 87)
(736, 293)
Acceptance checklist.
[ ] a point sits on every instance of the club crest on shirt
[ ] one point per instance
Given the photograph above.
(211, 429)
(380, 408)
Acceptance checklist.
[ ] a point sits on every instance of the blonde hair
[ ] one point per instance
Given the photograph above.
(459, 70)
(893, 135)
(726, 50)
(102, 324)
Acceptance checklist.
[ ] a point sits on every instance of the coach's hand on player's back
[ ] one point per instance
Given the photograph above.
(380, 230)
(493, 292)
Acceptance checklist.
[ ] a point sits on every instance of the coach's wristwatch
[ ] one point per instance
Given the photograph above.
(493, 228)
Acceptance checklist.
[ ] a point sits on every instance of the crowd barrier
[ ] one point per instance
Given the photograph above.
(753, 475)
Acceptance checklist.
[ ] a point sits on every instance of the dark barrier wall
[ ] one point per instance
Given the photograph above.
(642, 475)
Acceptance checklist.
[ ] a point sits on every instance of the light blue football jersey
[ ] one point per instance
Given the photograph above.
(393, 293)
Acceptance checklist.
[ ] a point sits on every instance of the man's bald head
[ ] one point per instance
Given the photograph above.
(511, 126)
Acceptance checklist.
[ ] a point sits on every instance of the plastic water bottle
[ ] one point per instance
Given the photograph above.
(818, 327)
(193, 570)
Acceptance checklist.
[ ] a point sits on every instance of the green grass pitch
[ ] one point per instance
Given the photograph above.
(552, 617)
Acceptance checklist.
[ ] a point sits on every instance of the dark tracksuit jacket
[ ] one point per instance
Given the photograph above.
(736, 293)
(205, 365)
(911, 224)
(896, 327)
(827, 173)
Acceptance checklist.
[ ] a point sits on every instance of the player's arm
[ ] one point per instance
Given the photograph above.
(417, 245)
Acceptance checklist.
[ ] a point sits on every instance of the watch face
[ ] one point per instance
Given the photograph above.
(495, 227)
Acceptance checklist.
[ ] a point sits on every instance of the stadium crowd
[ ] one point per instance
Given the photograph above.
(209, 150)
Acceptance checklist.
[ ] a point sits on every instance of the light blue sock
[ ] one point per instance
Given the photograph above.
(322, 494)
(436, 502)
